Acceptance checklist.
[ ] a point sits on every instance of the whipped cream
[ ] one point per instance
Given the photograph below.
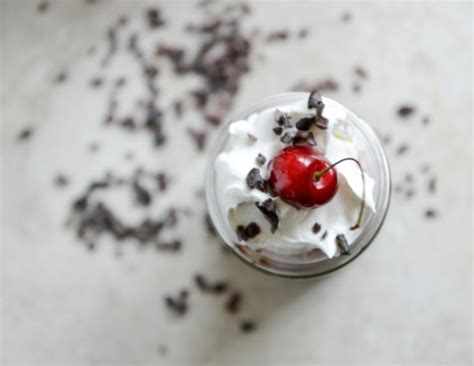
(294, 235)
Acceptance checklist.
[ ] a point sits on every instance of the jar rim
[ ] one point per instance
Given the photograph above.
(294, 270)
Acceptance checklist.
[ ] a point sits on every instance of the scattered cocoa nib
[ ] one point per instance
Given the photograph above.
(234, 302)
(213, 119)
(162, 181)
(60, 78)
(287, 138)
(346, 17)
(305, 123)
(178, 304)
(25, 134)
(61, 180)
(316, 228)
(406, 110)
(325, 234)
(128, 123)
(178, 108)
(277, 36)
(172, 246)
(199, 138)
(431, 213)
(305, 138)
(154, 17)
(432, 185)
(96, 82)
(278, 130)
(247, 326)
(42, 6)
(260, 160)
(303, 33)
(356, 88)
(204, 285)
(268, 209)
(255, 180)
(359, 71)
(343, 245)
(402, 149)
(282, 119)
(142, 195)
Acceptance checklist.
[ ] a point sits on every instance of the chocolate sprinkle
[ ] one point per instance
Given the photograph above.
(343, 245)
(252, 230)
(360, 72)
(277, 36)
(260, 160)
(431, 213)
(316, 228)
(268, 209)
(178, 305)
(255, 180)
(251, 137)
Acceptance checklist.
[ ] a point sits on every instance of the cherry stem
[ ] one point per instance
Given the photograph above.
(318, 174)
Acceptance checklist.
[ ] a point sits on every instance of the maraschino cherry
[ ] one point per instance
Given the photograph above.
(301, 176)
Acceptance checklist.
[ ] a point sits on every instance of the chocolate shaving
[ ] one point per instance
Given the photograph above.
(343, 245)
(252, 230)
(268, 209)
(402, 149)
(162, 180)
(172, 246)
(325, 234)
(431, 213)
(204, 285)
(277, 36)
(154, 18)
(255, 180)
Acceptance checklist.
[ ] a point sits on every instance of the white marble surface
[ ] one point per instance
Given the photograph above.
(408, 299)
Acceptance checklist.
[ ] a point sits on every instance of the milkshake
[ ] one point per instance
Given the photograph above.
(297, 185)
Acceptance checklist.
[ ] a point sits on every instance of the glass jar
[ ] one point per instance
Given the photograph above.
(375, 165)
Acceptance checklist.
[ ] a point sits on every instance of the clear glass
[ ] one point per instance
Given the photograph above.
(304, 266)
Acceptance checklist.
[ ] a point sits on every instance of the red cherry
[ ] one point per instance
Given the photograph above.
(294, 177)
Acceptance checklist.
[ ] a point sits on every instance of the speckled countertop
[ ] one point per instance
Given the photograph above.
(408, 299)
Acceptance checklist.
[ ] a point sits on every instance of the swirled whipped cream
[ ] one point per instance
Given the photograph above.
(295, 233)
